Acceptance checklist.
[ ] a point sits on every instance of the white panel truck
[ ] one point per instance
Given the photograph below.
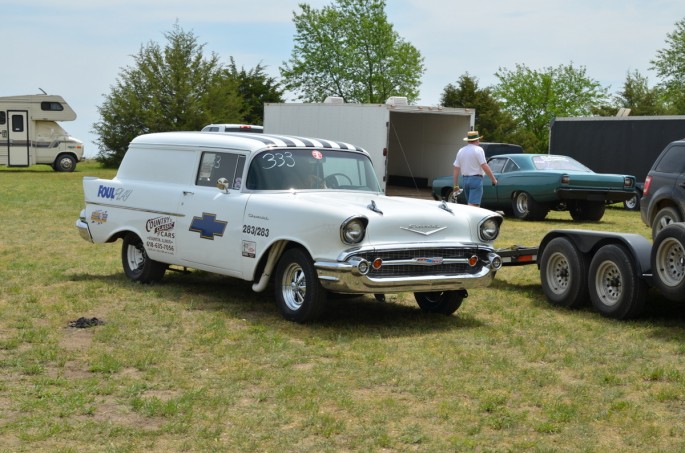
(410, 145)
(30, 134)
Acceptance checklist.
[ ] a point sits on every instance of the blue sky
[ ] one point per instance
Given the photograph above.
(77, 48)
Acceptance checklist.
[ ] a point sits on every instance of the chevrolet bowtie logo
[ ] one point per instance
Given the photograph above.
(208, 226)
(425, 230)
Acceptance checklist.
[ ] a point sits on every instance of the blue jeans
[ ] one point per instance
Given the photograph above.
(473, 189)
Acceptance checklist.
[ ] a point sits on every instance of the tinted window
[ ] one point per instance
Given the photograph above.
(17, 123)
(3, 117)
(221, 165)
(673, 160)
(51, 106)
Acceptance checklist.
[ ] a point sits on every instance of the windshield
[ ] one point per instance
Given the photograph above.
(285, 169)
(552, 162)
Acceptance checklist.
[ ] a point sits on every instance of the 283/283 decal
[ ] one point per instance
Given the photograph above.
(256, 231)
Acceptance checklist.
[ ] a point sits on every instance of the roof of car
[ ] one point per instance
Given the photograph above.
(240, 141)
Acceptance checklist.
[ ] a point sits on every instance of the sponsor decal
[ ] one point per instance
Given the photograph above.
(161, 237)
(249, 249)
(425, 230)
(208, 226)
(114, 193)
(99, 217)
(255, 231)
(317, 154)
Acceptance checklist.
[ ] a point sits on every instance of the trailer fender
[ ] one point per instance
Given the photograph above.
(588, 242)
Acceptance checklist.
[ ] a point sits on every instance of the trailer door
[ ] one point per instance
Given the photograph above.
(19, 144)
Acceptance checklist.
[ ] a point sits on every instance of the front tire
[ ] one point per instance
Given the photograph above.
(299, 294)
(563, 274)
(137, 264)
(668, 261)
(664, 218)
(64, 163)
(616, 289)
(524, 207)
(441, 302)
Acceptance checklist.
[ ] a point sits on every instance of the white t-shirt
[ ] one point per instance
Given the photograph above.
(469, 160)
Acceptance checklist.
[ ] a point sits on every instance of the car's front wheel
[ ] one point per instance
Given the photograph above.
(524, 207)
(137, 264)
(668, 261)
(64, 163)
(616, 289)
(442, 302)
(299, 294)
(663, 218)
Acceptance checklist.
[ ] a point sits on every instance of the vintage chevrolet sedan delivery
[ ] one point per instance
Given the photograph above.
(306, 215)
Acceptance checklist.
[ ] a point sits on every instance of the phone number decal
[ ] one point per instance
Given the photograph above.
(256, 231)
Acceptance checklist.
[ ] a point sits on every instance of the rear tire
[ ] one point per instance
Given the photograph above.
(563, 274)
(137, 264)
(587, 211)
(668, 261)
(299, 294)
(663, 218)
(633, 204)
(441, 302)
(616, 289)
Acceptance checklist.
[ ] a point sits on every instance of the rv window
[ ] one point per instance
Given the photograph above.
(17, 123)
(51, 106)
(3, 118)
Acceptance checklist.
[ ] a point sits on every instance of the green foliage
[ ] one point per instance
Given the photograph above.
(670, 66)
(640, 98)
(350, 50)
(168, 89)
(534, 98)
(491, 121)
(256, 88)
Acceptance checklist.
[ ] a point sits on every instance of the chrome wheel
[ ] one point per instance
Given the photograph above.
(294, 286)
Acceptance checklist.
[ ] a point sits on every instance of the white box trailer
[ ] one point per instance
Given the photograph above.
(409, 145)
(30, 134)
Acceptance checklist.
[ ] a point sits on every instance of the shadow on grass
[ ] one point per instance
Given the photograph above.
(360, 315)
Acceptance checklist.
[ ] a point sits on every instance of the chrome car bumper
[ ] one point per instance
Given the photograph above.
(83, 230)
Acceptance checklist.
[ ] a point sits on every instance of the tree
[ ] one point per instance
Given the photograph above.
(256, 88)
(350, 50)
(670, 66)
(491, 122)
(168, 89)
(535, 98)
(639, 97)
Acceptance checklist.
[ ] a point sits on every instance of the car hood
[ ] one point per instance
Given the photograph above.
(392, 219)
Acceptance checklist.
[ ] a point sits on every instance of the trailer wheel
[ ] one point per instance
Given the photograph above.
(64, 163)
(616, 289)
(444, 303)
(299, 294)
(668, 261)
(563, 274)
(663, 218)
(137, 264)
(587, 211)
(524, 207)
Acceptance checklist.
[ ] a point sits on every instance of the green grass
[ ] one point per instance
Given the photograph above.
(199, 362)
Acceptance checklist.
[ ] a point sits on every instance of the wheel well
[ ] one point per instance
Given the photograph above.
(661, 204)
(259, 269)
(65, 153)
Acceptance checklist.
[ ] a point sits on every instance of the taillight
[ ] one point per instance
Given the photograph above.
(645, 190)
(627, 183)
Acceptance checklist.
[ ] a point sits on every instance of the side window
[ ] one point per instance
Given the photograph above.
(17, 123)
(510, 166)
(3, 117)
(673, 160)
(48, 106)
(214, 166)
(497, 165)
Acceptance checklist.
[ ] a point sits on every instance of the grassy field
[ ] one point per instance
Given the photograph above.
(199, 362)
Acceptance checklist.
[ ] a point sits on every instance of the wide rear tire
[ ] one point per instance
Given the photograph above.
(524, 207)
(587, 211)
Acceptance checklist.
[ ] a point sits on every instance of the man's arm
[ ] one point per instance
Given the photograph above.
(456, 177)
(486, 169)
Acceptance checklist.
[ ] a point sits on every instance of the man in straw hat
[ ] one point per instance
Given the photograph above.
(470, 162)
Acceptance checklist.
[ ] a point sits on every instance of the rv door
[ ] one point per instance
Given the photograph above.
(18, 140)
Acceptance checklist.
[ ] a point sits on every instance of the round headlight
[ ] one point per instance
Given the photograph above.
(489, 229)
(352, 231)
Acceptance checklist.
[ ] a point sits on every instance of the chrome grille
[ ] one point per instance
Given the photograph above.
(414, 270)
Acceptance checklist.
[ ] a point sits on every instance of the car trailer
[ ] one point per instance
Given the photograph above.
(612, 270)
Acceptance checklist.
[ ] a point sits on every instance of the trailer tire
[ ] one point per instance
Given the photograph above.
(299, 294)
(137, 264)
(668, 261)
(524, 207)
(64, 163)
(563, 274)
(616, 289)
(587, 211)
(664, 217)
(442, 302)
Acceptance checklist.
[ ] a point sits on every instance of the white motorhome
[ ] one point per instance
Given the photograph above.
(410, 145)
(30, 134)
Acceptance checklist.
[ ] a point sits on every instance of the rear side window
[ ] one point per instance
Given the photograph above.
(51, 106)
(673, 160)
(3, 117)
(215, 166)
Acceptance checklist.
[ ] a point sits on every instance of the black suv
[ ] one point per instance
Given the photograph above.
(663, 200)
